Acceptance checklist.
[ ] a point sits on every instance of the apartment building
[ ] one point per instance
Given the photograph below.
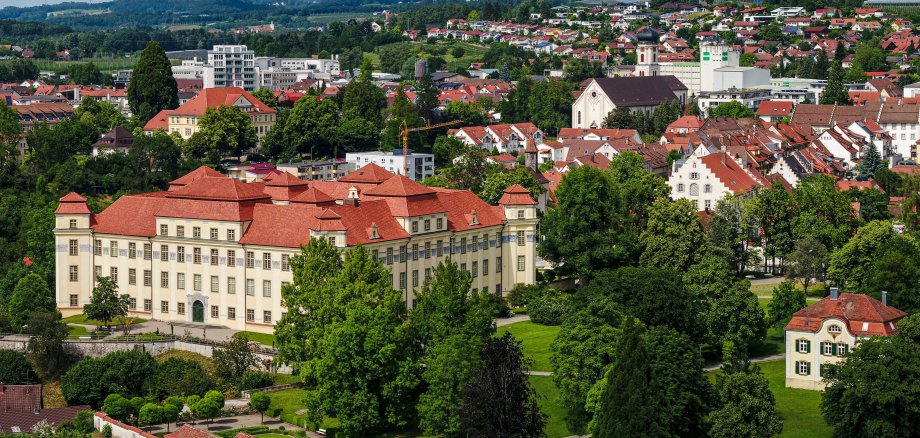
(825, 331)
(214, 250)
(231, 66)
(184, 120)
(414, 165)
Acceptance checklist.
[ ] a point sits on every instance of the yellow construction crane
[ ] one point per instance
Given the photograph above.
(404, 133)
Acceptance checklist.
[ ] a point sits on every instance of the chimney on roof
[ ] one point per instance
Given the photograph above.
(884, 297)
(834, 293)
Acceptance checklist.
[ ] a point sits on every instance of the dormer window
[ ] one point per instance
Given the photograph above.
(834, 329)
(474, 218)
(375, 231)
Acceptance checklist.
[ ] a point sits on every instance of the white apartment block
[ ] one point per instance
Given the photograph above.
(414, 165)
(231, 66)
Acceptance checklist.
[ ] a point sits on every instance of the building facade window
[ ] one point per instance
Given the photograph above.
(164, 279)
(180, 280)
(164, 253)
(180, 231)
(520, 238)
(196, 282)
(250, 287)
(286, 262)
(73, 301)
(231, 313)
(250, 259)
(113, 274)
(231, 235)
(164, 230)
(266, 288)
(215, 312)
(97, 247)
(231, 285)
(180, 308)
(148, 278)
(148, 250)
(148, 305)
(164, 306)
(215, 284)
(803, 368)
(250, 315)
(267, 317)
(74, 273)
(231, 258)
(266, 260)
(803, 346)
(196, 256)
(180, 254)
(215, 257)
(132, 250)
(196, 232)
(213, 233)
(113, 248)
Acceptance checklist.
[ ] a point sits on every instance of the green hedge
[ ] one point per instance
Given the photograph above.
(252, 430)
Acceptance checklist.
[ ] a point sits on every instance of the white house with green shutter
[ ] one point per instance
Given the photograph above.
(824, 332)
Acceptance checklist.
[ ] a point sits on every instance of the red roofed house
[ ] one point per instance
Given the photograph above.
(184, 120)
(822, 332)
(215, 250)
(706, 177)
(774, 110)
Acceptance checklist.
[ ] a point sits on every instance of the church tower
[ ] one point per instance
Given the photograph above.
(647, 53)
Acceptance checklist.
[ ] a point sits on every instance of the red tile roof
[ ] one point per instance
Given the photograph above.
(516, 195)
(369, 174)
(131, 215)
(72, 203)
(194, 175)
(774, 108)
(862, 314)
(399, 186)
(186, 431)
(24, 421)
(730, 173)
(219, 188)
(215, 97)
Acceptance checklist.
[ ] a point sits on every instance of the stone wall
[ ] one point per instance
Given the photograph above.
(101, 348)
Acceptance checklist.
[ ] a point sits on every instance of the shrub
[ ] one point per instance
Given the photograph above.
(14, 368)
(547, 307)
(521, 294)
(83, 422)
(255, 380)
(497, 305)
(107, 431)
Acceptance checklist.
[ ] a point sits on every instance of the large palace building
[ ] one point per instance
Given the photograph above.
(217, 251)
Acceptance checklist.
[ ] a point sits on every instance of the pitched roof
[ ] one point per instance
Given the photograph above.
(640, 90)
(194, 175)
(368, 174)
(863, 315)
(730, 173)
(219, 189)
(399, 186)
(186, 431)
(775, 108)
(25, 420)
(215, 97)
(72, 203)
(516, 195)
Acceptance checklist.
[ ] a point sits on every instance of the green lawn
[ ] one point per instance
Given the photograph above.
(289, 402)
(284, 379)
(81, 319)
(472, 53)
(763, 290)
(106, 65)
(77, 330)
(798, 407)
(272, 435)
(535, 339)
(262, 338)
(549, 404)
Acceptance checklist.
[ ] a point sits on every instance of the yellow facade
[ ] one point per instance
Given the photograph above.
(185, 126)
(198, 263)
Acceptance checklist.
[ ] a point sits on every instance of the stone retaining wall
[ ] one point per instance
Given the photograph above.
(101, 348)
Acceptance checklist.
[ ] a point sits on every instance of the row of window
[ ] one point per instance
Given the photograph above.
(196, 232)
(214, 259)
(826, 348)
(180, 281)
(695, 189)
(803, 368)
(180, 309)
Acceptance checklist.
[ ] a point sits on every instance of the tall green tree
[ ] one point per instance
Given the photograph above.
(351, 338)
(234, 359)
(896, 270)
(672, 236)
(46, 344)
(402, 113)
(152, 87)
(632, 403)
(106, 304)
(103, 115)
(727, 234)
(362, 99)
(31, 294)
(786, 301)
(874, 390)
(851, 264)
(266, 96)
(451, 319)
(426, 97)
(835, 92)
(821, 210)
(495, 184)
(224, 131)
(499, 401)
(311, 128)
(583, 233)
(677, 364)
(870, 162)
(806, 264)
(733, 109)
(748, 407)
(771, 211)
(550, 107)
(737, 317)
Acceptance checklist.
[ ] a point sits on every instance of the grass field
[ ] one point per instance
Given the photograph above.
(330, 18)
(284, 379)
(535, 339)
(81, 319)
(77, 330)
(549, 404)
(291, 401)
(108, 65)
(473, 53)
(763, 290)
(799, 408)
(262, 338)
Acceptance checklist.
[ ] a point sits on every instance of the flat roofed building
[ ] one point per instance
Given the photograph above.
(215, 250)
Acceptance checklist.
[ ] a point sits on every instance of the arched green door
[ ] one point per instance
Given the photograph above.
(197, 311)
